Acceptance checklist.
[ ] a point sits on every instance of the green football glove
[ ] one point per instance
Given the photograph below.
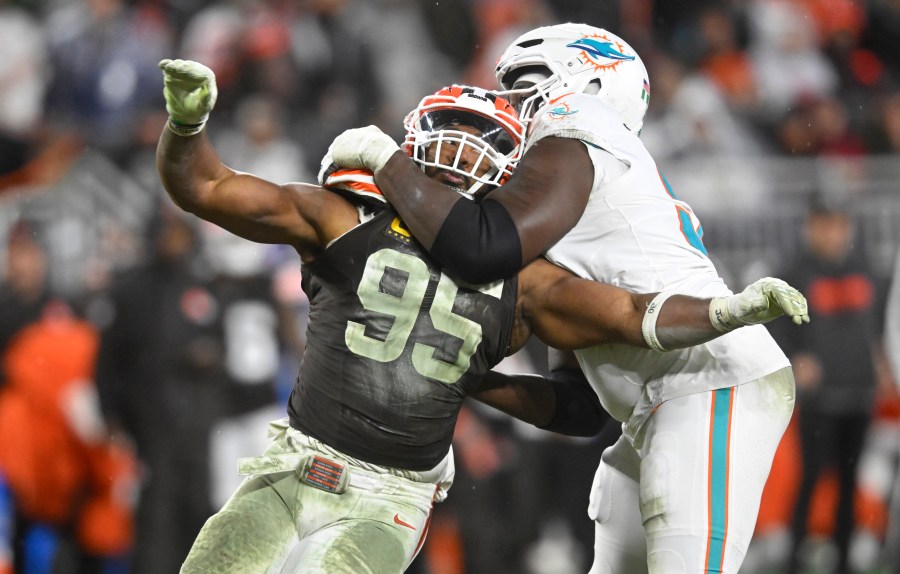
(190, 92)
(764, 300)
(363, 148)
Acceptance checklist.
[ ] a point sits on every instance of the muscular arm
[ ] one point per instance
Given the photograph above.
(567, 312)
(303, 216)
(514, 224)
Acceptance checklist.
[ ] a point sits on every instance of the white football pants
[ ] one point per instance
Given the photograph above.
(687, 501)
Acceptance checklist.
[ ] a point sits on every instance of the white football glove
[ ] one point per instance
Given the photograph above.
(327, 167)
(363, 148)
(764, 300)
(190, 92)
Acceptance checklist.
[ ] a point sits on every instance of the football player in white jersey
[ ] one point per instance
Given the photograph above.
(680, 490)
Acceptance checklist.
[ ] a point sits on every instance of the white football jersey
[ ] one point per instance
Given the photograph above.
(636, 234)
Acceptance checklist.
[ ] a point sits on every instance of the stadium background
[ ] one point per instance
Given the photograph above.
(756, 106)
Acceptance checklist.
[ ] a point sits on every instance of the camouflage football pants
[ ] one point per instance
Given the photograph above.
(278, 522)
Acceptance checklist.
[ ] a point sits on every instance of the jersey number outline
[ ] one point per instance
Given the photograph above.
(693, 235)
(405, 311)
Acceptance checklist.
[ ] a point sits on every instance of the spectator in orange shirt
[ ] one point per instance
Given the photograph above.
(64, 480)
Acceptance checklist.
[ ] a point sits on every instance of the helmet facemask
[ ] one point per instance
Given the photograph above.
(475, 138)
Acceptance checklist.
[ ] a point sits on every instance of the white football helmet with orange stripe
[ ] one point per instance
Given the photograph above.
(433, 125)
(553, 61)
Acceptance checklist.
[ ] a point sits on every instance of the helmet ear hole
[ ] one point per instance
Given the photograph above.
(593, 87)
(530, 43)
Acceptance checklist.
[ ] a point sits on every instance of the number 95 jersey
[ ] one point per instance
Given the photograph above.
(394, 347)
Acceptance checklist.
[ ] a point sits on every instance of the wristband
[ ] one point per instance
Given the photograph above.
(183, 129)
(648, 325)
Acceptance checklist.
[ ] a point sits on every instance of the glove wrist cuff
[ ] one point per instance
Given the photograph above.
(720, 316)
(184, 129)
(386, 154)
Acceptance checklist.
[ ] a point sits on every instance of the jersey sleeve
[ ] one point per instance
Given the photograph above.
(584, 117)
(577, 116)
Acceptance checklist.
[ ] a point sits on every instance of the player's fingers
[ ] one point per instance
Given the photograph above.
(186, 70)
(173, 67)
(800, 318)
(781, 299)
(794, 305)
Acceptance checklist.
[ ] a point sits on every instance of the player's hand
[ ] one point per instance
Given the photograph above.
(363, 148)
(358, 185)
(764, 300)
(190, 92)
(327, 167)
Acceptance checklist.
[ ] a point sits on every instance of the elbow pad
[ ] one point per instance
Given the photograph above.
(578, 409)
(478, 242)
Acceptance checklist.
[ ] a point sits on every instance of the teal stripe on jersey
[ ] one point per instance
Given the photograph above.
(691, 234)
(667, 186)
(718, 480)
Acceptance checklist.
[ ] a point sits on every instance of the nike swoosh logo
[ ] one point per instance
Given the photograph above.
(401, 522)
(558, 98)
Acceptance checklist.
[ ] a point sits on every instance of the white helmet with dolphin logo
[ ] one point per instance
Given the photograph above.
(552, 61)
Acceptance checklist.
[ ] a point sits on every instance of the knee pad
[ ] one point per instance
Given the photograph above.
(658, 479)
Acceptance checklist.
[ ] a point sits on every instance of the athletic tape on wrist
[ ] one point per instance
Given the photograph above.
(184, 130)
(648, 325)
(720, 316)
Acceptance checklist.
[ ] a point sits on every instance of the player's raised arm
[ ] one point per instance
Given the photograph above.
(567, 312)
(197, 180)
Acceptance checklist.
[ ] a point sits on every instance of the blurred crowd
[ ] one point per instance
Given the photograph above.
(142, 351)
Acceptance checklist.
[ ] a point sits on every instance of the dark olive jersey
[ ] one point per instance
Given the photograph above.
(394, 346)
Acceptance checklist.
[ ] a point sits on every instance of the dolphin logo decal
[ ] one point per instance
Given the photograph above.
(561, 111)
(595, 48)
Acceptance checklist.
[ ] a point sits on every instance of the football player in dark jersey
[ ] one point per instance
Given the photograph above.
(394, 344)
(588, 196)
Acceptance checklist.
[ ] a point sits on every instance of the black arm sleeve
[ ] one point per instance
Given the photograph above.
(578, 409)
(478, 242)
